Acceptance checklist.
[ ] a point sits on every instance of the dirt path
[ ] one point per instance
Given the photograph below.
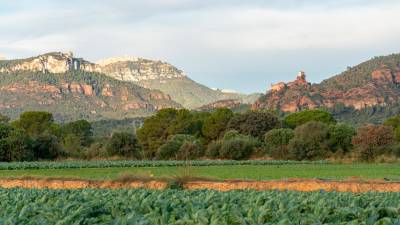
(290, 184)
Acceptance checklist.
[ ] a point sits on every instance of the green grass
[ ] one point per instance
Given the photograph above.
(252, 172)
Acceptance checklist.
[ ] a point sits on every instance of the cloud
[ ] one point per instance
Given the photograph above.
(211, 39)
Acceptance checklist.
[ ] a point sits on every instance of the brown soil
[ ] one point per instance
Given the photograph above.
(352, 185)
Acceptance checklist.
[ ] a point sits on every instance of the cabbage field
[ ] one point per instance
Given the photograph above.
(88, 206)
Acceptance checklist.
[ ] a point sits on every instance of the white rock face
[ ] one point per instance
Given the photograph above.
(228, 91)
(104, 62)
(127, 68)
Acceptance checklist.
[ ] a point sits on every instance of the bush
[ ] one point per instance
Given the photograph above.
(237, 148)
(340, 136)
(213, 149)
(277, 141)
(170, 149)
(299, 118)
(124, 144)
(254, 123)
(231, 134)
(190, 150)
(372, 141)
(310, 141)
(98, 149)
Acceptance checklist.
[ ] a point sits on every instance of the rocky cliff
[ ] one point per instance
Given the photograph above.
(153, 74)
(375, 82)
(72, 88)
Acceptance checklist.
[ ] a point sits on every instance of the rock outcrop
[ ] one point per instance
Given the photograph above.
(227, 103)
(372, 83)
(121, 68)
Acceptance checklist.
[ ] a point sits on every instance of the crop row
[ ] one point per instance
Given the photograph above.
(141, 163)
(88, 206)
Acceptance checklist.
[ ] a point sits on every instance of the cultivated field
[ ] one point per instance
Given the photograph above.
(140, 206)
(248, 170)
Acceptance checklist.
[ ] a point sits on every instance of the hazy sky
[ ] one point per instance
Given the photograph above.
(242, 45)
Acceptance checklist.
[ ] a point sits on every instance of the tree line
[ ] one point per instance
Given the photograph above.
(173, 134)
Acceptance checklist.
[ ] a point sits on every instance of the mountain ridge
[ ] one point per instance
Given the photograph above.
(375, 82)
(153, 74)
(71, 88)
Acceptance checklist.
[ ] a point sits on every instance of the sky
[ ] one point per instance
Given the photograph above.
(243, 45)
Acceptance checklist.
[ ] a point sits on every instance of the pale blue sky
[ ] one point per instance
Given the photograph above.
(242, 45)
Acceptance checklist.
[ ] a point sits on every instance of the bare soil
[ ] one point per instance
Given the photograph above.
(352, 185)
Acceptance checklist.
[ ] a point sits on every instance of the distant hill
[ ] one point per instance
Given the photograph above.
(168, 79)
(368, 92)
(72, 88)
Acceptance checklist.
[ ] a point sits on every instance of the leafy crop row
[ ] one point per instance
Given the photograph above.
(140, 163)
(87, 206)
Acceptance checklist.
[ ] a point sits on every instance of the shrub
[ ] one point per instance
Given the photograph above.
(213, 149)
(340, 136)
(231, 134)
(310, 141)
(237, 148)
(299, 118)
(170, 149)
(277, 141)
(98, 149)
(371, 141)
(190, 150)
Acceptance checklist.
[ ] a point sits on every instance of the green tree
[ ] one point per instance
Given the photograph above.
(43, 132)
(168, 122)
(79, 128)
(76, 136)
(124, 144)
(215, 125)
(296, 119)
(35, 123)
(154, 131)
(395, 123)
(46, 146)
(277, 141)
(310, 141)
(15, 145)
(254, 123)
